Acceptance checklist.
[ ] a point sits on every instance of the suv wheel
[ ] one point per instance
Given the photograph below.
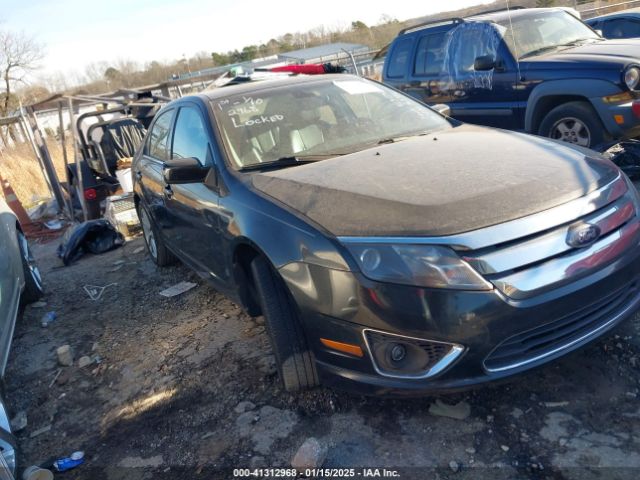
(294, 360)
(158, 252)
(33, 280)
(574, 122)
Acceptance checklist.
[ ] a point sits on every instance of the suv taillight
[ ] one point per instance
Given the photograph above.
(90, 194)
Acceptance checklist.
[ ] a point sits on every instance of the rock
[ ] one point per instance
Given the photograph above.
(453, 465)
(95, 346)
(257, 462)
(556, 404)
(40, 304)
(84, 361)
(19, 422)
(244, 406)
(562, 442)
(459, 411)
(247, 419)
(65, 358)
(470, 450)
(516, 413)
(311, 454)
(504, 448)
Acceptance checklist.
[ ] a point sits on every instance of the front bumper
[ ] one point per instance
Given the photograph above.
(339, 306)
(620, 120)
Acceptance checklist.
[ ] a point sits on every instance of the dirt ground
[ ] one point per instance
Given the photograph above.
(163, 401)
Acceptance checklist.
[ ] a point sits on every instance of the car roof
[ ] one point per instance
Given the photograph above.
(266, 84)
(506, 14)
(632, 12)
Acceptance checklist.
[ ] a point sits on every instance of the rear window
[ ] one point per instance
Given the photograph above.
(430, 54)
(400, 57)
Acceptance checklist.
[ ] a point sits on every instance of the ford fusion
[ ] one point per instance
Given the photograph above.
(390, 249)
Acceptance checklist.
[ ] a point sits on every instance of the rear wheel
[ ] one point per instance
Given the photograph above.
(294, 360)
(576, 123)
(32, 279)
(158, 252)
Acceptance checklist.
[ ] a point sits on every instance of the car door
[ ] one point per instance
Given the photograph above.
(193, 208)
(148, 169)
(10, 279)
(426, 82)
(490, 97)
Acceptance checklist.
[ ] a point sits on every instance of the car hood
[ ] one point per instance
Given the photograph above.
(444, 183)
(618, 52)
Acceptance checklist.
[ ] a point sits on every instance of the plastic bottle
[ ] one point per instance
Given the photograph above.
(67, 463)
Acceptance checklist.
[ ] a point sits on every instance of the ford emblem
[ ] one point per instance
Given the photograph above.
(582, 235)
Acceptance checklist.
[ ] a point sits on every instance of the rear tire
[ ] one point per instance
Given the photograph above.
(156, 247)
(576, 123)
(33, 289)
(295, 362)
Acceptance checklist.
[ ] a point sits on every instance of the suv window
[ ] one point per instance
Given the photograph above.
(430, 54)
(157, 146)
(190, 138)
(400, 58)
(621, 28)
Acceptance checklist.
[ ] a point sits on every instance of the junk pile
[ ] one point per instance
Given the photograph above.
(94, 236)
(626, 155)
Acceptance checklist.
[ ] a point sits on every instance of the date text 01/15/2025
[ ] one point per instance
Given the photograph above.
(316, 473)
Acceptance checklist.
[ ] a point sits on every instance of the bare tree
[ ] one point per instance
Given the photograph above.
(19, 54)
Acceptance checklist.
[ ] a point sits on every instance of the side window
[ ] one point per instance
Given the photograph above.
(157, 146)
(190, 139)
(430, 55)
(400, 58)
(621, 28)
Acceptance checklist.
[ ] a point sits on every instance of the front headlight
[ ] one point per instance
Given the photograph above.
(632, 77)
(418, 265)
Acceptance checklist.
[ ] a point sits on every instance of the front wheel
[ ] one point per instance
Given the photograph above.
(158, 251)
(33, 289)
(294, 360)
(574, 122)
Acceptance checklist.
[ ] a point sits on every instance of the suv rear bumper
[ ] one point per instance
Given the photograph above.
(479, 321)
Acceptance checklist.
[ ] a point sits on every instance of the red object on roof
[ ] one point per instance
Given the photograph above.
(308, 69)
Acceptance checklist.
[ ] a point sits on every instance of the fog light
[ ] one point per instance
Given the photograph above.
(408, 357)
(398, 352)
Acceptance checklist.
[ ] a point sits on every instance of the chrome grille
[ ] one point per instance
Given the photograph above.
(541, 260)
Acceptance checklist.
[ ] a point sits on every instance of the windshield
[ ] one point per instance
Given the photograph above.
(317, 119)
(534, 34)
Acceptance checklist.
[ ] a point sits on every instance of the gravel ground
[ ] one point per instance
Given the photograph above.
(164, 401)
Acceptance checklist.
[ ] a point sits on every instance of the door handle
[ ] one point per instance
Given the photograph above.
(168, 192)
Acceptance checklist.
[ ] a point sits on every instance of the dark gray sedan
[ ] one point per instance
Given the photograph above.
(20, 283)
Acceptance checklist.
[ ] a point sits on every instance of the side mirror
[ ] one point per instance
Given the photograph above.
(484, 63)
(442, 109)
(184, 170)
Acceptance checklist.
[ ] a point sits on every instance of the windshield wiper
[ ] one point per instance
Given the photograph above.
(403, 137)
(289, 161)
(540, 50)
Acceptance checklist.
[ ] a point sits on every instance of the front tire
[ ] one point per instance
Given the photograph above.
(294, 360)
(574, 122)
(33, 289)
(156, 247)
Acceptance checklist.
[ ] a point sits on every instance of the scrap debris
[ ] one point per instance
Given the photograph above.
(178, 289)
(95, 292)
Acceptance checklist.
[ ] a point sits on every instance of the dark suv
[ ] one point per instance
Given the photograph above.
(387, 246)
(537, 70)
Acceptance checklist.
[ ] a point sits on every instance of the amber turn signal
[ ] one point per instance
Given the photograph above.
(354, 350)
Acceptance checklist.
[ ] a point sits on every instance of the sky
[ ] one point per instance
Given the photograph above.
(76, 33)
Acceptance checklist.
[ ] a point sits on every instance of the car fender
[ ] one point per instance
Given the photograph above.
(591, 89)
